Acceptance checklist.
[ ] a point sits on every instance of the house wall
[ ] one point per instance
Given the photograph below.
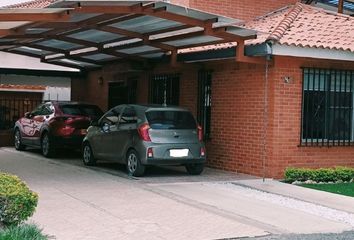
(58, 88)
(286, 120)
(240, 9)
(238, 142)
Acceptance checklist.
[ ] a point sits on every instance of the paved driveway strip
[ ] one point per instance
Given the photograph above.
(79, 203)
(86, 203)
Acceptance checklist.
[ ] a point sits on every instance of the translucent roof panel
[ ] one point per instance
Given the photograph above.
(9, 25)
(59, 44)
(153, 55)
(136, 50)
(99, 57)
(193, 13)
(192, 41)
(68, 3)
(96, 36)
(243, 32)
(35, 51)
(82, 16)
(74, 62)
(146, 24)
(6, 40)
(37, 30)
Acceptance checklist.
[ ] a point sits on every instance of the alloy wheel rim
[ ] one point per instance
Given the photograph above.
(45, 144)
(17, 139)
(132, 163)
(87, 154)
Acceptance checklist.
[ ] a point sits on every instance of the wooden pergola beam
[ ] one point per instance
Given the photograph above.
(33, 17)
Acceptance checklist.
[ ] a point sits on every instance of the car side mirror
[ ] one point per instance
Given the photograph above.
(28, 115)
(105, 127)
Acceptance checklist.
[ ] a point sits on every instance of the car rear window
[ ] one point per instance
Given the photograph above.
(82, 110)
(171, 120)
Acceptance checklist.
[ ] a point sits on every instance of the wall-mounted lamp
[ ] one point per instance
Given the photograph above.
(100, 80)
(287, 79)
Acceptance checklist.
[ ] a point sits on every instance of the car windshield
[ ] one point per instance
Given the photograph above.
(82, 110)
(171, 120)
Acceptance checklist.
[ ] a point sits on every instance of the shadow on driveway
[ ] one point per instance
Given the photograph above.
(153, 174)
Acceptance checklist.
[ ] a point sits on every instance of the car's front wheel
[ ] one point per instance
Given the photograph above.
(47, 146)
(195, 168)
(87, 155)
(134, 166)
(18, 141)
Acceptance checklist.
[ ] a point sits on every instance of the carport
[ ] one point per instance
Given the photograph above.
(89, 34)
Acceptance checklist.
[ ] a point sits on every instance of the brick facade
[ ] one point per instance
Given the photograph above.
(237, 136)
(240, 9)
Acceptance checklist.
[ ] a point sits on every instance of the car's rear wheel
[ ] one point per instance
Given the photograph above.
(18, 141)
(47, 146)
(134, 166)
(195, 168)
(87, 155)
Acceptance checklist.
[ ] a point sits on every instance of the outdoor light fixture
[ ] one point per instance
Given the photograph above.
(100, 80)
(288, 79)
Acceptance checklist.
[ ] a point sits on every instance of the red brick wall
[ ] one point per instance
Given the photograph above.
(240, 9)
(238, 113)
(237, 118)
(286, 122)
(181, 2)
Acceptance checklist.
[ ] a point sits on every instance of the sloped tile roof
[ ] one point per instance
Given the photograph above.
(22, 87)
(299, 25)
(32, 4)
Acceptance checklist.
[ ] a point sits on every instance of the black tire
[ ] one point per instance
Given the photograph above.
(87, 155)
(47, 146)
(18, 141)
(195, 169)
(134, 166)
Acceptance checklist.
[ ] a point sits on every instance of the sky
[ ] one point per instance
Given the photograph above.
(10, 2)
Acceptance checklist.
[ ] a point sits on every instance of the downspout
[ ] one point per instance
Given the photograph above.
(265, 113)
(263, 50)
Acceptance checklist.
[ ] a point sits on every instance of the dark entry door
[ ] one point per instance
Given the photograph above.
(164, 88)
(122, 92)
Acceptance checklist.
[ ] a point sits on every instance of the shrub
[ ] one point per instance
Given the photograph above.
(17, 201)
(21, 232)
(343, 174)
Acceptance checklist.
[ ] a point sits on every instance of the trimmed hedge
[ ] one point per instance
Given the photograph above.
(337, 174)
(17, 201)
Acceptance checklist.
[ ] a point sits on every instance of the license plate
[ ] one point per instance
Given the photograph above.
(178, 152)
(83, 131)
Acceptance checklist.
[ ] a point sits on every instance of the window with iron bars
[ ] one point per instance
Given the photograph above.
(327, 107)
(204, 101)
(164, 88)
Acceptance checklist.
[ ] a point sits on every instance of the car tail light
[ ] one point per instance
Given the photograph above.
(150, 153)
(144, 132)
(66, 120)
(200, 133)
(202, 151)
(66, 131)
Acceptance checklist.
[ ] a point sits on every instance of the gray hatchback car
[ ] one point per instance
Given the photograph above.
(141, 135)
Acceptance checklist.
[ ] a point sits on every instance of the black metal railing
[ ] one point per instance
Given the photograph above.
(204, 101)
(164, 88)
(327, 107)
(12, 109)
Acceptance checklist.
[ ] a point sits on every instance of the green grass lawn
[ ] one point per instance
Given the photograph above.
(346, 189)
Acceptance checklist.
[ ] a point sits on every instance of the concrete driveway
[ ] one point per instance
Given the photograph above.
(102, 202)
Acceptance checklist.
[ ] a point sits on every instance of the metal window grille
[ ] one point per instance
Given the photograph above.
(204, 101)
(12, 109)
(164, 88)
(327, 107)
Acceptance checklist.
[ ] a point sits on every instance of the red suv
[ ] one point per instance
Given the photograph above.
(55, 124)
